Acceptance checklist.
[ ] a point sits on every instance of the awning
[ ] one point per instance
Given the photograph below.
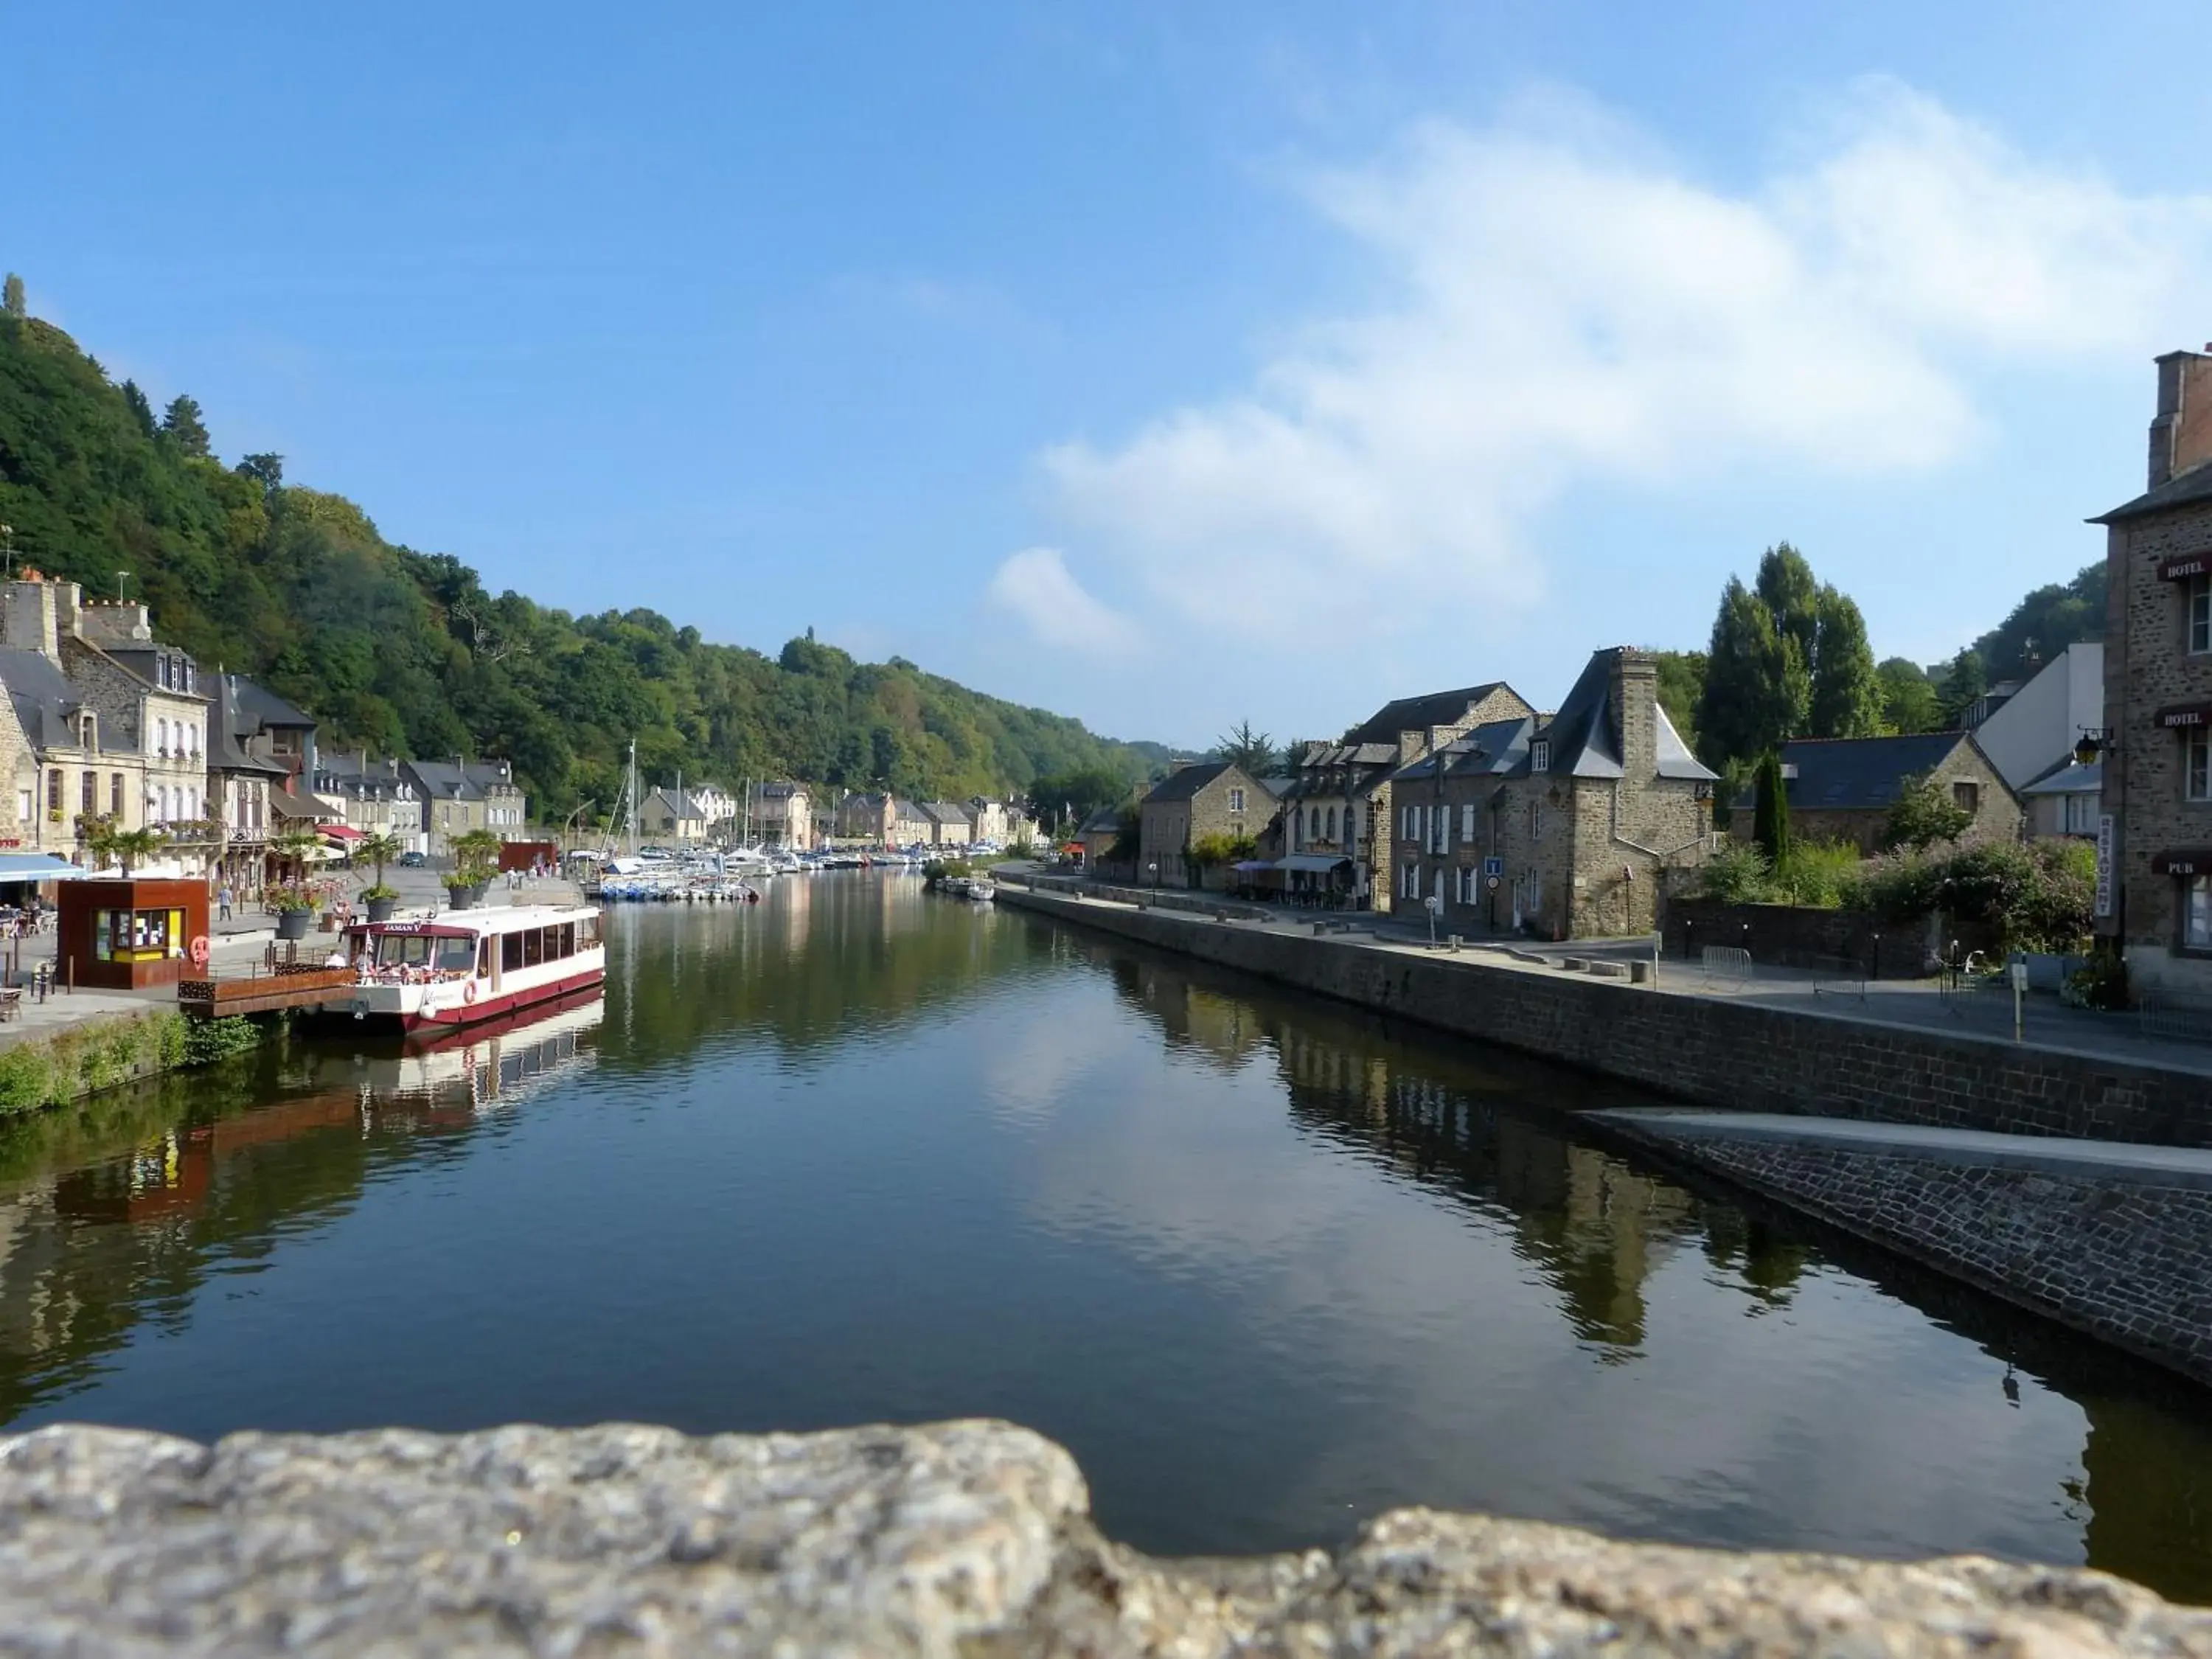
(1250, 865)
(343, 832)
(1314, 863)
(39, 866)
(2190, 861)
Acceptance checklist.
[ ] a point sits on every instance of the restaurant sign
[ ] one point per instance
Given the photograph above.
(2104, 864)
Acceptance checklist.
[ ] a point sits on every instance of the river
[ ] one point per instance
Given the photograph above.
(1267, 1266)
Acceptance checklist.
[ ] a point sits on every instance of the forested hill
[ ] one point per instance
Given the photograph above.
(406, 653)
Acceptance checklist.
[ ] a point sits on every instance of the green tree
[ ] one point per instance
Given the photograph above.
(1922, 814)
(1757, 690)
(11, 297)
(1786, 587)
(2044, 623)
(1770, 817)
(1681, 686)
(1253, 750)
(1067, 799)
(1964, 683)
(1909, 702)
(1846, 694)
(141, 410)
(268, 471)
(379, 848)
(182, 421)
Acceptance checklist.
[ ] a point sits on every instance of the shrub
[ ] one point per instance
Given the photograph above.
(1815, 873)
(1737, 876)
(2033, 899)
(1924, 814)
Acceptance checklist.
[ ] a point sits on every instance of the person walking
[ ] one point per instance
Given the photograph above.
(222, 900)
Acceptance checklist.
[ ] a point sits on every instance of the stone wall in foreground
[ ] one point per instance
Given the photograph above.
(959, 1539)
(1708, 1049)
(2120, 1257)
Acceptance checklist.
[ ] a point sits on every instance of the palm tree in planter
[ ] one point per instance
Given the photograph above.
(134, 846)
(380, 849)
(293, 901)
(476, 861)
(292, 847)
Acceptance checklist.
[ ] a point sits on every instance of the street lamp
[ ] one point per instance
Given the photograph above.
(1152, 869)
(2095, 740)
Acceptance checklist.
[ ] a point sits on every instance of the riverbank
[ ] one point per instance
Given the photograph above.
(2128, 1262)
(938, 1540)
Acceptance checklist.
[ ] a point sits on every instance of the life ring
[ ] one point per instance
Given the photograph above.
(200, 952)
(469, 992)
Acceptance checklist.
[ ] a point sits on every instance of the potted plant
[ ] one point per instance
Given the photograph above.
(379, 850)
(295, 910)
(476, 861)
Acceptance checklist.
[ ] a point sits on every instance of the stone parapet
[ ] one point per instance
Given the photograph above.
(960, 1539)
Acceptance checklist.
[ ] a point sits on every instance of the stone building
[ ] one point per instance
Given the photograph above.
(994, 821)
(949, 823)
(371, 796)
(1341, 790)
(673, 814)
(1560, 826)
(460, 795)
(1214, 797)
(886, 820)
(1841, 789)
(2156, 886)
(779, 814)
(84, 735)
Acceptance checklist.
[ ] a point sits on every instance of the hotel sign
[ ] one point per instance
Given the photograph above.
(2186, 566)
(2184, 715)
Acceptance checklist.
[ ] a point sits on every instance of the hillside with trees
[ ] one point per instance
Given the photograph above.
(405, 651)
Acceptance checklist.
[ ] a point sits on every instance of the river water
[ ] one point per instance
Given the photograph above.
(1267, 1266)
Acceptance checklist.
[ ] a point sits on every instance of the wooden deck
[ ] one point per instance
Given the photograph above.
(263, 990)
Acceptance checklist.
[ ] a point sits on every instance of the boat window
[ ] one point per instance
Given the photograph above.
(456, 956)
(483, 957)
(510, 951)
(533, 947)
(403, 951)
(587, 932)
(567, 938)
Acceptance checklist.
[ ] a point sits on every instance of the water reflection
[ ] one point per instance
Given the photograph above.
(1267, 1264)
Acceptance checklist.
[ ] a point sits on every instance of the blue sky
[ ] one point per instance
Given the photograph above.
(1164, 365)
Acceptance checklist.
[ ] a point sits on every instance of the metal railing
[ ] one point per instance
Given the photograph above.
(1728, 962)
(2178, 1023)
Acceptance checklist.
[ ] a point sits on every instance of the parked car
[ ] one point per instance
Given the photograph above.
(412, 860)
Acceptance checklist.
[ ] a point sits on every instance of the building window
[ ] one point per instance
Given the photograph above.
(1540, 756)
(2197, 765)
(1237, 800)
(2196, 913)
(88, 793)
(1966, 796)
(115, 794)
(1439, 829)
(2200, 614)
(1467, 823)
(25, 804)
(1331, 834)
(1410, 884)
(2081, 815)
(1313, 826)
(161, 736)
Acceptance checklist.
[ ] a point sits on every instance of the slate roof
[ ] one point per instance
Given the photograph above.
(687, 806)
(945, 811)
(1419, 713)
(464, 781)
(2068, 777)
(2182, 489)
(1107, 820)
(1185, 784)
(777, 790)
(1846, 774)
(44, 699)
(255, 707)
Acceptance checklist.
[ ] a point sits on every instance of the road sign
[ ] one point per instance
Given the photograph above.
(1493, 868)
(1491, 882)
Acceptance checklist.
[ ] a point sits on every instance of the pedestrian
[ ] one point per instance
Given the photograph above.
(222, 899)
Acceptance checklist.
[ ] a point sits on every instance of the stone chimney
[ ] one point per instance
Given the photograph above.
(116, 626)
(2181, 431)
(29, 619)
(1635, 712)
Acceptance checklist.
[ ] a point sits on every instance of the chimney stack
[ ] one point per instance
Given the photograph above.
(2181, 429)
(1634, 713)
(30, 620)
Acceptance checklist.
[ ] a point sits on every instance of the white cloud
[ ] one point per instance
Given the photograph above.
(1036, 586)
(1567, 307)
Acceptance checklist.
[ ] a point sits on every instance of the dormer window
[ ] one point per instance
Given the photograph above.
(1540, 756)
(87, 730)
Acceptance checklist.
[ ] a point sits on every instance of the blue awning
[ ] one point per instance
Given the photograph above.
(39, 866)
(1316, 864)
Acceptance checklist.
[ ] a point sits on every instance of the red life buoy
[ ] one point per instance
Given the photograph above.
(469, 992)
(200, 952)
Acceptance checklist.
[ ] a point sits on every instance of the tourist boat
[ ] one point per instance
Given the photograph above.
(460, 966)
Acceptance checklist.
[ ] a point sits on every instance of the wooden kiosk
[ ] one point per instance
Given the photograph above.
(126, 934)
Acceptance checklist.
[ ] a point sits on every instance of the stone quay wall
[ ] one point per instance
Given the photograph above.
(950, 1541)
(1727, 1054)
(2118, 1256)
(1852, 942)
